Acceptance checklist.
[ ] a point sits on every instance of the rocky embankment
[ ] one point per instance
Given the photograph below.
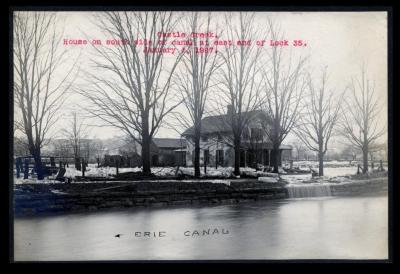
(32, 199)
(36, 198)
(360, 187)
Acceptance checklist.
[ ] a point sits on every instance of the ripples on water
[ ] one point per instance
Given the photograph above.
(310, 228)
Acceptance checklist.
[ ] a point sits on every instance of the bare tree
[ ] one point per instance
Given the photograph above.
(194, 80)
(360, 125)
(284, 87)
(98, 150)
(76, 132)
(240, 84)
(349, 152)
(131, 89)
(376, 151)
(316, 123)
(62, 149)
(300, 149)
(379, 150)
(38, 93)
(89, 150)
(21, 147)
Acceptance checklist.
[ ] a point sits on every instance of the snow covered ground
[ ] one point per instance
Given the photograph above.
(93, 171)
(331, 169)
(21, 180)
(339, 171)
(293, 179)
(314, 164)
(327, 164)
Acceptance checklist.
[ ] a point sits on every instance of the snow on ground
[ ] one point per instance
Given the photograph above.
(163, 171)
(221, 182)
(327, 164)
(298, 178)
(268, 179)
(71, 172)
(21, 180)
(93, 171)
(334, 170)
(339, 171)
(314, 164)
(211, 171)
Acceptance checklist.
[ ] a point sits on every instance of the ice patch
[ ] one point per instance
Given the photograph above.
(268, 179)
(226, 182)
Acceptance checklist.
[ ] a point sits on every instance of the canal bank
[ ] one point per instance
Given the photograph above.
(33, 199)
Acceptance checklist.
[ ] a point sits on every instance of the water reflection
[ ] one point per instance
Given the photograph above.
(310, 228)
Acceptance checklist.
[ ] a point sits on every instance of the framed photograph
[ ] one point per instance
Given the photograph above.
(215, 135)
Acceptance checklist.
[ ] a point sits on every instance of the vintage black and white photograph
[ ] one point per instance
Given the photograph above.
(200, 135)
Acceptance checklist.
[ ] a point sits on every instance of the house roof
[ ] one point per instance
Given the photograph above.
(218, 123)
(169, 142)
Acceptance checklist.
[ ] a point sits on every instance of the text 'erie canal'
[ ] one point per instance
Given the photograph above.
(185, 233)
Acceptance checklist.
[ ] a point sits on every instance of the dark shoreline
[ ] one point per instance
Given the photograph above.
(44, 199)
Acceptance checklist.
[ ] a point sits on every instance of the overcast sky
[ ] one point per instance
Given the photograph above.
(340, 41)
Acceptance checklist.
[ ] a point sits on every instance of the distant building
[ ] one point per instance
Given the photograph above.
(216, 142)
(163, 152)
(132, 160)
(168, 152)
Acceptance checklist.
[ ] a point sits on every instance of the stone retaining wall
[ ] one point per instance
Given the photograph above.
(358, 187)
(32, 199)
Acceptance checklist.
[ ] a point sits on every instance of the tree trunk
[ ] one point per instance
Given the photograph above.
(83, 167)
(146, 155)
(237, 160)
(276, 158)
(197, 154)
(205, 164)
(321, 164)
(117, 167)
(365, 160)
(146, 143)
(77, 163)
(38, 163)
(26, 168)
(236, 148)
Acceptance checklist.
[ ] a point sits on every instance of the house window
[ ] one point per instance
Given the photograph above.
(220, 157)
(204, 139)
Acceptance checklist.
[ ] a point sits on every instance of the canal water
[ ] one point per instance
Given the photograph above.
(306, 228)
